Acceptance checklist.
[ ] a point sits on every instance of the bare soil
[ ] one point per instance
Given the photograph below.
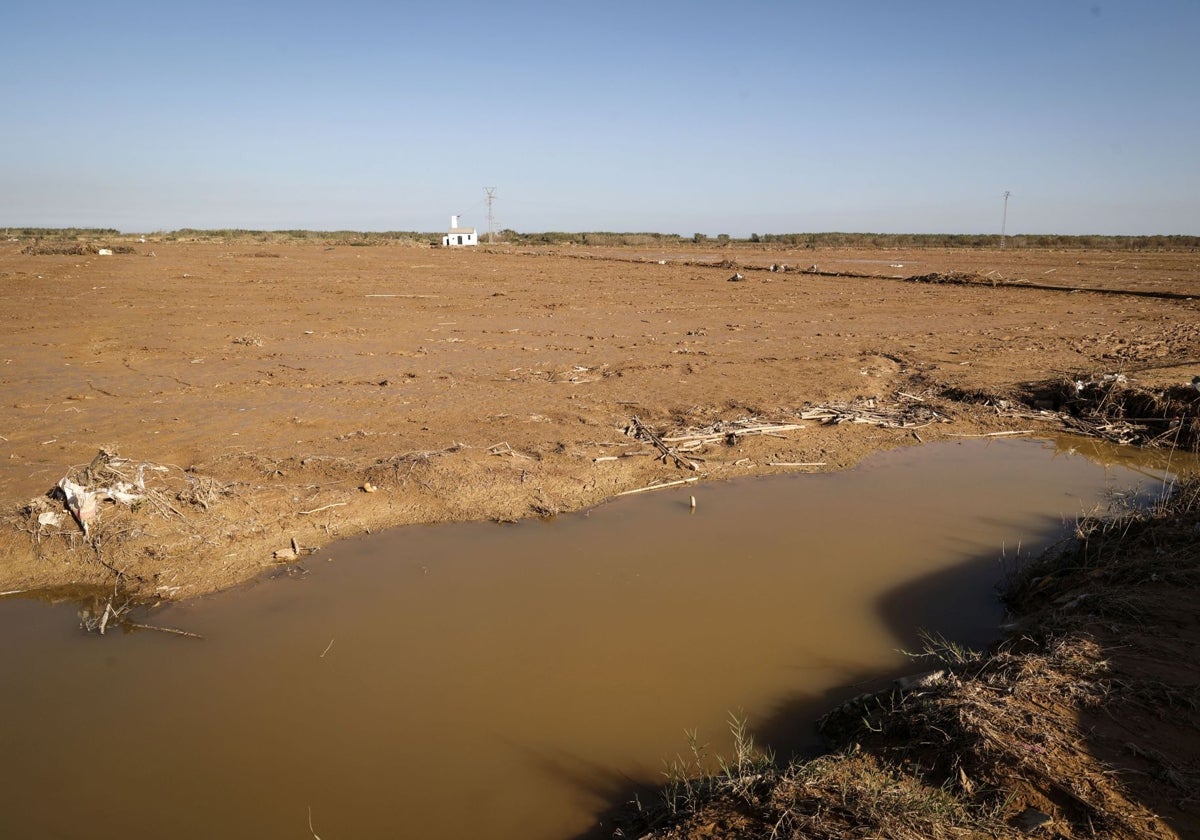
(264, 398)
(303, 392)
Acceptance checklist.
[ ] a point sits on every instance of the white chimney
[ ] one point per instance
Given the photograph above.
(453, 222)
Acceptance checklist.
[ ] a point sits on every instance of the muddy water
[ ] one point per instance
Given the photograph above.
(512, 681)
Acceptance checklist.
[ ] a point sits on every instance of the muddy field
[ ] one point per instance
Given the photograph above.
(261, 399)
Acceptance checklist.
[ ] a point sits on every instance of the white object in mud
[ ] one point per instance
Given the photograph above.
(80, 502)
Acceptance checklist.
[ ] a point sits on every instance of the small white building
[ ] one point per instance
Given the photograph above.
(459, 236)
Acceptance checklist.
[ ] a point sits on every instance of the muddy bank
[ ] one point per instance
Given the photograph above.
(1082, 723)
(278, 399)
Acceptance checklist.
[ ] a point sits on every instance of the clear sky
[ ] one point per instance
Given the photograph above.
(679, 117)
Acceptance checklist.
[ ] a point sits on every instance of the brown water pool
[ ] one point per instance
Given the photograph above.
(489, 681)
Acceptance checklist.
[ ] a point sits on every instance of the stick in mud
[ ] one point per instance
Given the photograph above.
(660, 486)
(324, 507)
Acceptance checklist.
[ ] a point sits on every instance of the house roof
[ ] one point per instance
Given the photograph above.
(462, 230)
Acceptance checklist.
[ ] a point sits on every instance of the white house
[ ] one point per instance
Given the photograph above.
(457, 236)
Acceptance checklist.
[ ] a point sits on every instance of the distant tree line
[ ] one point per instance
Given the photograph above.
(980, 240)
(650, 239)
(861, 240)
(59, 233)
(332, 237)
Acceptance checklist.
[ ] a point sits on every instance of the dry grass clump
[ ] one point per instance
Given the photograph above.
(851, 795)
(954, 278)
(77, 249)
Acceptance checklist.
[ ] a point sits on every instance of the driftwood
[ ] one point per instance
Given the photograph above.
(914, 414)
(866, 411)
(728, 433)
(665, 484)
(323, 507)
(641, 431)
(174, 631)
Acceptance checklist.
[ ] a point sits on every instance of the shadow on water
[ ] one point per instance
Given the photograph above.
(947, 603)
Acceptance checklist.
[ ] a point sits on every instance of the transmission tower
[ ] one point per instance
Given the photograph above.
(1004, 221)
(491, 196)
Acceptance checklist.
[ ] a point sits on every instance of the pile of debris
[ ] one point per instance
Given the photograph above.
(954, 278)
(109, 480)
(1111, 407)
(911, 412)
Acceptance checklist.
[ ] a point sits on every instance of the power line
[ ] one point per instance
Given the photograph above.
(1004, 221)
(491, 196)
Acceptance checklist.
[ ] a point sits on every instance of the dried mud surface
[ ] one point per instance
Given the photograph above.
(275, 381)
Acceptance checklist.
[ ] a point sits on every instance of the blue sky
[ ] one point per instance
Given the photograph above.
(679, 117)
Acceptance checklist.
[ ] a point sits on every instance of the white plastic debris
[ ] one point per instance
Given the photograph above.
(80, 502)
(49, 517)
(122, 492)
(104, 252)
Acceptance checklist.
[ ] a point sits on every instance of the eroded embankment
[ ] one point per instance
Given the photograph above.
(1084, 722)
(156, 531)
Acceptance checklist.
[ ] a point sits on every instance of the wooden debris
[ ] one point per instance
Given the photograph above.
(175, 631)
(641, 431)
(995, 434)
(1110, 408)
(323, 507)
(866, 411)
(660, 486)
(503, 448)
(795, 464)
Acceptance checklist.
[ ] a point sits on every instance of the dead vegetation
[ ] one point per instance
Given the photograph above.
(1082, 723)
(1112, 407)
(104, 517)
(77, 249)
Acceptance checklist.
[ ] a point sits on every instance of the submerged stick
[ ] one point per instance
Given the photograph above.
(175, 631)
(996, 434)
(327, 648)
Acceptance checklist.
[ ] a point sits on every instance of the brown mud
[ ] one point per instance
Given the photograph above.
(283, 395)
(264, 400)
